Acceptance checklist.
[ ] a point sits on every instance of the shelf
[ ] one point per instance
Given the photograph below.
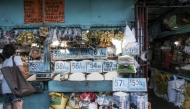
(180, 30)
(80, 86)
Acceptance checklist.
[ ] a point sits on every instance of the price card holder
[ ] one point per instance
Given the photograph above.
(61, 66)
(129, 84)
(110, 65)
(86, 53)
(72, 53)
(120, 84)
(95, 66)
(59, 54)
(36, 67)
(137, 84)
(79, 66)
(100, 53)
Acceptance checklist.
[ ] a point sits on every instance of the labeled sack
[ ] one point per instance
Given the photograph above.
(16, 81)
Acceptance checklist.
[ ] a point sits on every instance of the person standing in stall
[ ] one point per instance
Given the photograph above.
(11, 100)
(33, 55)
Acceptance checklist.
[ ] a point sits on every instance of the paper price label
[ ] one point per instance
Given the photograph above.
(72, 53)
(36, 67)
(94, 67)
(100, 53)
(110, 65)
(86, 53)
(120, 84)
(137, 84)
(61, 66)
(78, 66)
(59, 54)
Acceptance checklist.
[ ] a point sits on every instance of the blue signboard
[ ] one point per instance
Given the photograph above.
(100, 53)
(120, 84)
(59, 54)
(137, 84)
(95, 66)
(36, 67)
(72, 53)
(78, 66)
(86, 53)
(110, 65)
(61, 66)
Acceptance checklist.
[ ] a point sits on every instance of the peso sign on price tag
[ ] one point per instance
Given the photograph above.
(100, 53)
(79, 66)
(59, 54)
(120, 84)
(86, 53)
(94, 67)
(110, 65)
(137, 84)
(72, 53)
(36, 67)
(61, 66)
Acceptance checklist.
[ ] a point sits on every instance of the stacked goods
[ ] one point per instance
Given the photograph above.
(167, 58)
(186, 103)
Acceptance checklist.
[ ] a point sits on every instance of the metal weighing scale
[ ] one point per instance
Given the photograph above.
(37, 68)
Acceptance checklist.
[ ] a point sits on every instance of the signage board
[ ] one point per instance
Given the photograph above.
(95, 66)
(59, 54)
(100, 53)
(61, 66)
(78, 66)
(36, 67)
(110, 65)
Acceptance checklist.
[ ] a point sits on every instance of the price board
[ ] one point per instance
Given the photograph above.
(86, 53)
(137, 84)
(94, 66)
(36, 67)
(59, 54)
(100, 53)
(78, 66)
(110, 65)
(61, 66)
(131, 49)
(72, 53)
(129, 84)
(120, 84)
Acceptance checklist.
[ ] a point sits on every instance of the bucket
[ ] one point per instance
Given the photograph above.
(139, 101)
(121, 100)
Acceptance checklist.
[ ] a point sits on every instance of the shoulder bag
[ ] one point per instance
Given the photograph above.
(16, 81)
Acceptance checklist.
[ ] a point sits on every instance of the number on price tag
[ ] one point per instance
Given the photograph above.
(100, 53)
(59, 54)
(72, 53)
(110, 65)
(137, 84)
(78, 66)
(36, 67)
(120, 84)
(94, 67)
(61, 66)
(86, 53)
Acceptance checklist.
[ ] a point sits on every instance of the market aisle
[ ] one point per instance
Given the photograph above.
(159, 103)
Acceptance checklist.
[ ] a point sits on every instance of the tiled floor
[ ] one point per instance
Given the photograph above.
(159, 103)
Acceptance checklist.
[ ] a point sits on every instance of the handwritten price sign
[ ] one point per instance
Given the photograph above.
(61, 66)
(86, 53)
(59, 54)
(79, 66)
(100, 53)
(72, 53)
(110, 65)
(94, 67)
(120, 84)
(36, 67)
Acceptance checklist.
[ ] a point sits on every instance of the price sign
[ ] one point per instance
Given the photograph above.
(72, 53)
(100, 53)
(36, 67)
(86, 53)
(59, 54)
(137, 84)
(131, 49)
(120, 84)
(61, 66)
(94, 67)
(110, 65)
(79, 66)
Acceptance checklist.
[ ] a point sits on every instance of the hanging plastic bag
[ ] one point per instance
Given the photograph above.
(172, 93)
(128, 37)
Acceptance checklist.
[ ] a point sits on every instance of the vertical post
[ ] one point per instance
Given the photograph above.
(47, 59)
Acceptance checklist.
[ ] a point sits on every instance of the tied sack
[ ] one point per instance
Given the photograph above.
(16, 81)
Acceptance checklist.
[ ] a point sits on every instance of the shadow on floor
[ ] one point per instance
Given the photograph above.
(159, 103)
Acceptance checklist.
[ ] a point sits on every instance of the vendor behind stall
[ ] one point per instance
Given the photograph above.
(33, 55)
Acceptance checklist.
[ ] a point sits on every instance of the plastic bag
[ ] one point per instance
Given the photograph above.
(128, 37)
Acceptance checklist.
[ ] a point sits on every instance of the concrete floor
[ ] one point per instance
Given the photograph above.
(159, 103)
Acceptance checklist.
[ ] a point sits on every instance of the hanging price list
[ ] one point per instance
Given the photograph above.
(36, 67)
(110, 65)
(59, 54)
(86, 53)
(61, 66)
(129, 84)
(79, 66)
(94, 67)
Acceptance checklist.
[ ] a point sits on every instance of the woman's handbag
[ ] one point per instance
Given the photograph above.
(16, 81)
